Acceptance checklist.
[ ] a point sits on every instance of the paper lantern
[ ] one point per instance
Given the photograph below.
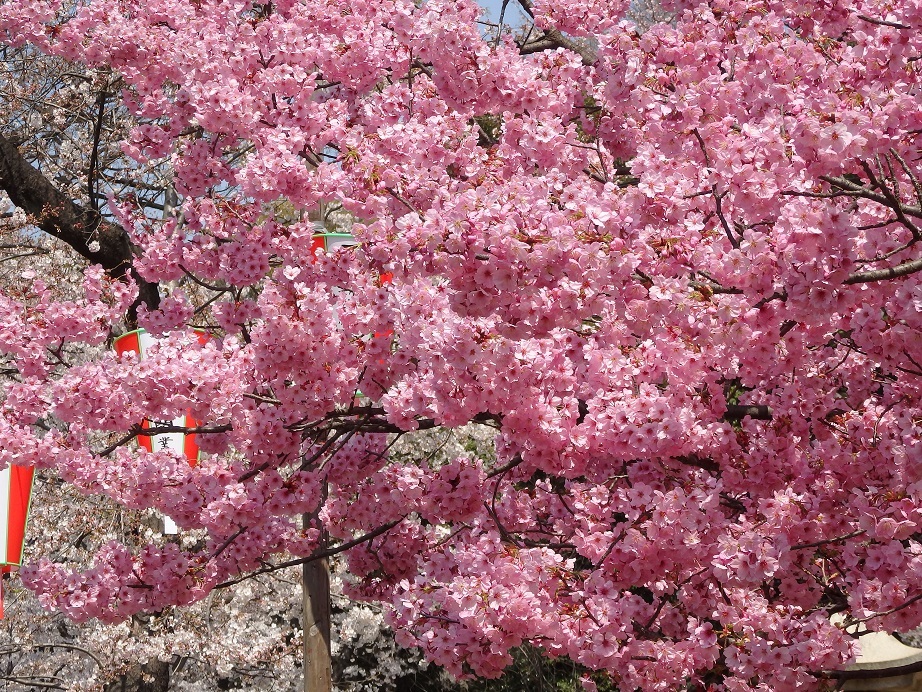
(139, 341)
(331, 241)
(15, 497)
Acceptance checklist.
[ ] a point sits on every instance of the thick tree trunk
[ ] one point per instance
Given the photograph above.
(153, 676)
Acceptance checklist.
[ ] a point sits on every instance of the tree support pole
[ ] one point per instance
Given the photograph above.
(318, 663)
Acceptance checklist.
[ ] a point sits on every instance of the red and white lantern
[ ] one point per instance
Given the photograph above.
(15, 497)
(140, 341)
(328, 242)
(331, 241)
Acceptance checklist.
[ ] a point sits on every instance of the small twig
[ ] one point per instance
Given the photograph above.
(883, 22)
(393, 193)
(777, 295)
(94, 151)
(499, 29)
(135, 431)
(916, 185)
(264, 399)
(718, 199)
(320, 555)
(70, 647)
(894, 609)
(516, 460)
(138, 431)
(594, 175)
(707, 159)
(43, 681)
(817, 544)
(201, 283)
(707, 288)
(888, 255)
(491, 510)
(226, 544)
(913, 361)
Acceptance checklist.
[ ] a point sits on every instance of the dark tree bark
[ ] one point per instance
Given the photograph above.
(56, 214)
(150, 676)
(153, 676)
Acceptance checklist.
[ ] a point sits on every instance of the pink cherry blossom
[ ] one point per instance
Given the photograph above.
(671, 276)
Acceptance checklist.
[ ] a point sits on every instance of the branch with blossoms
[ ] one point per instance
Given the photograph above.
(313, 557)
(42, 682)
(558, 281)
(883, 188)
(55, 645)
(139, 431)
(85, 230)
(554, 38)
(372, 419)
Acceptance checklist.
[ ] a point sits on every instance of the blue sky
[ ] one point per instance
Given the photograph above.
(513, 16)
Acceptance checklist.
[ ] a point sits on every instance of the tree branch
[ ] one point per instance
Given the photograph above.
(94, 154)
(878, 192)
(896, 272)
(848, 186)
(553, 38)
(883, 22)
(827, 541)
(56, 214)
(53, 645)
(342, 547)
(874, 674)
(736, 412)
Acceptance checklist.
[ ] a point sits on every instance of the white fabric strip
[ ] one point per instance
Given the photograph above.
(4, 514)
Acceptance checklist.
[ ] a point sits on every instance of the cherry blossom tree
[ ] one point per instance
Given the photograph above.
(674, 273)
(247, 637)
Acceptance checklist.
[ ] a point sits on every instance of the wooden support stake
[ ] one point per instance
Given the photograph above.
(317, 659)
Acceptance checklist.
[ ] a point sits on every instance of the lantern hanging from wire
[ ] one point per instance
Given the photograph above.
(15, 498)
(331, 241)
(140, 341)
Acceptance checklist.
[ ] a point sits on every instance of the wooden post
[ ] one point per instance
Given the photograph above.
(318, 663)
